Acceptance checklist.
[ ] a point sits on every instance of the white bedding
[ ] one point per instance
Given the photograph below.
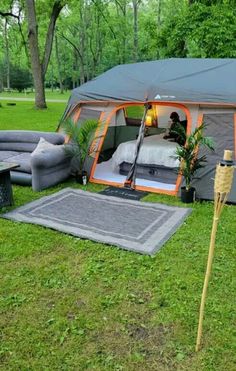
(154, 151)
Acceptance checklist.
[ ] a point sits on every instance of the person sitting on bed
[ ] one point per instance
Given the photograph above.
(175, 132)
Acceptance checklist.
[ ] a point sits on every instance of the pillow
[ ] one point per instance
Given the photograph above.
(43, 146)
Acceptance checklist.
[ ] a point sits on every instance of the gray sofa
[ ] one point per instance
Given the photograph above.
(41, 169)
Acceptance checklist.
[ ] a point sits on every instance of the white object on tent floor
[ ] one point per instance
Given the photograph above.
(104, 171)
(154, 150)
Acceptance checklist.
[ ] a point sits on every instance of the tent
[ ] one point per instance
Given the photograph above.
(199, 90)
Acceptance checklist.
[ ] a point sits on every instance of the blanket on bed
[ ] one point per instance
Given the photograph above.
(154, 151)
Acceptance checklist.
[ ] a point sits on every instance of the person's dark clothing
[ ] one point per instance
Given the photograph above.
(174, 129)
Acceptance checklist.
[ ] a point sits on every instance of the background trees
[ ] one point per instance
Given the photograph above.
(94, 35)
(201, 30)
(28, 16)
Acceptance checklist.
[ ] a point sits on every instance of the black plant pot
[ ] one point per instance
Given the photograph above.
(187, 196)
(82, 178)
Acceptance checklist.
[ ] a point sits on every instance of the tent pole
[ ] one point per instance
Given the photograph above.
(130, 179)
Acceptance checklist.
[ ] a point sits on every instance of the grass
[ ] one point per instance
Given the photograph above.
(72, 304)
(135, 111)
(24, 116)
(49, 94)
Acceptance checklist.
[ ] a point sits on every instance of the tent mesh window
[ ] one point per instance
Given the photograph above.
(88, 114)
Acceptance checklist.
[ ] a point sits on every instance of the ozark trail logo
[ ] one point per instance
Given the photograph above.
(165, 96)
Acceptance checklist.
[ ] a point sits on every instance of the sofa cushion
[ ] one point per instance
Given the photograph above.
(30, 136)
(5, 155)
(22, 159)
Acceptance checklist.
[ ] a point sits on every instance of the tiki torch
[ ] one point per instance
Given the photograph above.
(222, 187)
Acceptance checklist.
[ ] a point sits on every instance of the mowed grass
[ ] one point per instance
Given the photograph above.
(72, 304)
(24, 116)
(49, 94)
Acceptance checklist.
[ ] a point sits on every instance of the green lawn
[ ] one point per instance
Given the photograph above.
(24, 116)
(72, 304)
(49, 94)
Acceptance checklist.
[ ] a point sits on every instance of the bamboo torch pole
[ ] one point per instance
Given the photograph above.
(222, 187)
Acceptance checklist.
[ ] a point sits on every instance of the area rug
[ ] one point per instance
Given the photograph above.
(129, 194)
(137, 226)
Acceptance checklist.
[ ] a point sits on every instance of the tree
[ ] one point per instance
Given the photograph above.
(39, 67)
(7, 58)
(59, 65)
(95, 35)
(135, 29)
(20, 78)
(200, 31)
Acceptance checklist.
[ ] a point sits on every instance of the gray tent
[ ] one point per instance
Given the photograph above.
(198, 89)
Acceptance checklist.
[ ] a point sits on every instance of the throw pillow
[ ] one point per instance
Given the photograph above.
(42, 146)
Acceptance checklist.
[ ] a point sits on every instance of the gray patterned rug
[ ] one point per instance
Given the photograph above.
(133, 225)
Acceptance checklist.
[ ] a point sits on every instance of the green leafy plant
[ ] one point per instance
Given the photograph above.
(80, 140)
(187, 153)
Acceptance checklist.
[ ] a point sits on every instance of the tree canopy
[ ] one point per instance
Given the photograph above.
(79, 39)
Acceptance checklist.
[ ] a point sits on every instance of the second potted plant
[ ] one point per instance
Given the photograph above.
(187, 154)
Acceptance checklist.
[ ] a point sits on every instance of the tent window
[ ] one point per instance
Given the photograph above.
(134, 115)
(88, 114)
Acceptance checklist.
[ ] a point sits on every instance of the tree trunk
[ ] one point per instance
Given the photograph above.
(39, 69)
(59, 65)
(40, 101)
(159, 9)
(135, 45)
(121, 14)
(81, 55)
(7, 58)
(52, 78)
(36, 66)
(159, 14)
(75, 69)
(79, 58)
(81, 71)
(124, 37)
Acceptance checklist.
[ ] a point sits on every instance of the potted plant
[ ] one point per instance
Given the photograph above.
(79, 146)
(187, 155)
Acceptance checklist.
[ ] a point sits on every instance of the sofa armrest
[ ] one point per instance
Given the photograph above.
(49, 167)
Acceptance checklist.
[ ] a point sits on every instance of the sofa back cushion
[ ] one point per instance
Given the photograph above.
(28, 136)
(17, 146)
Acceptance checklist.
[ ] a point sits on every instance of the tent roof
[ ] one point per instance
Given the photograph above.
(166, 80)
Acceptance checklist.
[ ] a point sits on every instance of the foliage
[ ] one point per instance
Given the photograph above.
(80, 140)
(187, 153)
(20, 78)
(93, 36)
(50, 95)
(201, 31)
